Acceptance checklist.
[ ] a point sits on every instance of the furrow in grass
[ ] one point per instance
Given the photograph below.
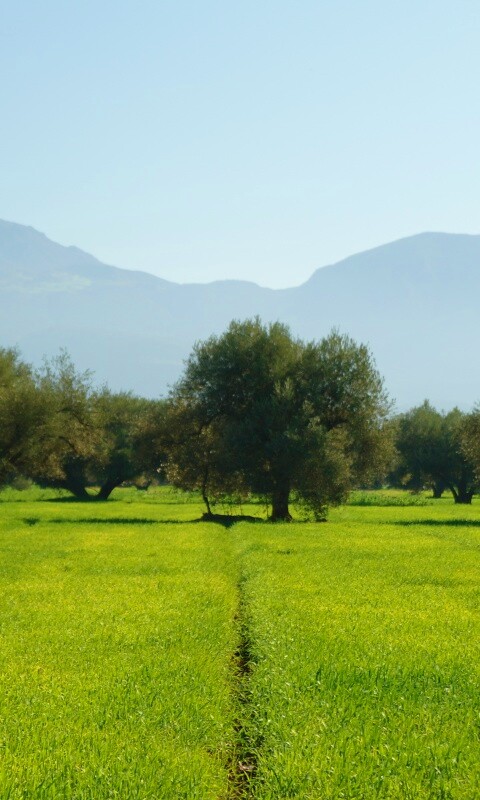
(365, 645)
(243, 761)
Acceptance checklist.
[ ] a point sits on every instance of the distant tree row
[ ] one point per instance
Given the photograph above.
(256, 412)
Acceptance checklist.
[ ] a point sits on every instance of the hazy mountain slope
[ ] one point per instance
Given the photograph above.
(413, 301)
(131, 328)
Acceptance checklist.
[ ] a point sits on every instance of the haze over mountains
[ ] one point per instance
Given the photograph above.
(414, 302)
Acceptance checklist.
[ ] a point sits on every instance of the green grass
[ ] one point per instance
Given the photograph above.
(115, 663)
(392, 497)
(366, 639)
(119, 624)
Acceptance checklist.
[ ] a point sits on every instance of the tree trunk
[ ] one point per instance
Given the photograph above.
(78, 490)
(438, 489)
(75, 480)
(204, 490)
(206, 501)
(462, 494)
(107, 488)
(464, 497)
(280, 512)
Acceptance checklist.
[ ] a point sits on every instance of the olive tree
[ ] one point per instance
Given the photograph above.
(470, 440)
(429, 444)
(265, 412)
(93, 437)
(124, 423)
(195, 456)
(23, 415)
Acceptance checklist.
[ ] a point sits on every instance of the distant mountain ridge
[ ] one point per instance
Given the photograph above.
(413, 301)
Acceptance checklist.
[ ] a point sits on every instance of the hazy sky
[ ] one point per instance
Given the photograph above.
(255, 139)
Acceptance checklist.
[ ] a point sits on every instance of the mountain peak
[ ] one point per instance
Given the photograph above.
(429, 251)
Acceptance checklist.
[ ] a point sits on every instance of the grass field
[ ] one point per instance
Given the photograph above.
(145, 655)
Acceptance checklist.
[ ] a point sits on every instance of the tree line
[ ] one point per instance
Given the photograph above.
(256, 412)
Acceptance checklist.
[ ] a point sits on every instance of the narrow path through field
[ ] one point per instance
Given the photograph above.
(243, 759)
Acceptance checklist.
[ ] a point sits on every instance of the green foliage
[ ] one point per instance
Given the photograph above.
(22, 416)
(92, 437)
(258, 411)
(430, 452)
(470, 440)
(70, 437)
(126, 428)
(391, 497)
(195, 455)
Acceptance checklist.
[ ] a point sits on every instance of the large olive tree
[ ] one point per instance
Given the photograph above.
(258, 410)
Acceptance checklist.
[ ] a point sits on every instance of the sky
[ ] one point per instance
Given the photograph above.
(254, 140)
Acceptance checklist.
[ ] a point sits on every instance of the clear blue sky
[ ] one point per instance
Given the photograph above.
(254, 139)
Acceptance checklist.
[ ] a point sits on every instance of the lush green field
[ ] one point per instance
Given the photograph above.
(117, 639)
(144, 655)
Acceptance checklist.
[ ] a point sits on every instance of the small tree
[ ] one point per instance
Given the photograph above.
(196, 457)
(275, 416)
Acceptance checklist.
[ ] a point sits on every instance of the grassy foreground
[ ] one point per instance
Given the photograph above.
(146, 656)
(117, 635)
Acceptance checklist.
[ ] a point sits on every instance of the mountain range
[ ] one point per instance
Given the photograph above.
(413, 301)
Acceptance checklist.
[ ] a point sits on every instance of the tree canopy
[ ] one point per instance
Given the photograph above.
(470, 440)
(22, 416)
(93, 437)
(430, 452)
(259, 411)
